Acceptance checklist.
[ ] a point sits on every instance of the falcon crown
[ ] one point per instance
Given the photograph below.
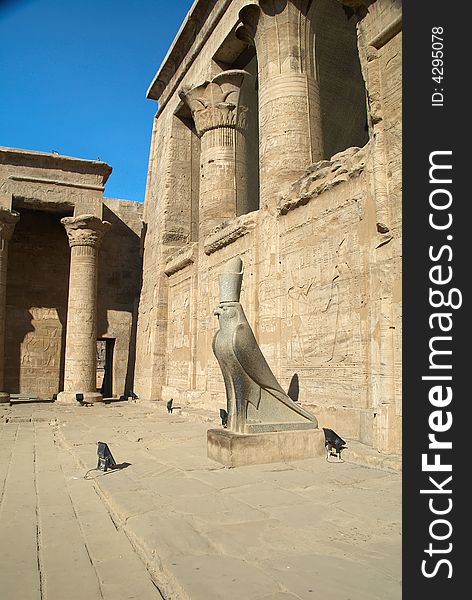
(230, 281)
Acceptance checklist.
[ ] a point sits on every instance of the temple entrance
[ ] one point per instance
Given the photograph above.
(105, 348)
(36, 301)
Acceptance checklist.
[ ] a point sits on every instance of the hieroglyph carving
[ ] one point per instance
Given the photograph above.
(290, 127)
(85, 233)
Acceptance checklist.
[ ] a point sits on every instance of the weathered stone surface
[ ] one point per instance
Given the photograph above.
(240, 578)
(289, 99)
(85, 233)
(57, 536)
(43, 188)
(220, 122)
(270, 516)
(322, 251)
(238, 449)
(228, 232)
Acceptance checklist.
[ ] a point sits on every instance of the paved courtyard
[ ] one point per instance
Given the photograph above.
(173, 524)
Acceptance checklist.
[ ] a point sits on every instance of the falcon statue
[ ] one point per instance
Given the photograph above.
(253, 394)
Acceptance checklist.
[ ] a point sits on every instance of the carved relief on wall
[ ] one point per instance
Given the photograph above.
(41, 346)
(179, 334)
(176, 176)
(323, 327)
(148, 331)
(320, 298)
(40, 354)
(390, 68)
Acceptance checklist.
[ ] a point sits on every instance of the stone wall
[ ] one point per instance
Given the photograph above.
(43, 188)
(37, 292)
(37, 288)
(118, 287)
(322, 254)
(63, 183)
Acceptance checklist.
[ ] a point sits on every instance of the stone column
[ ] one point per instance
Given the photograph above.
(85, 234)
(8, 219)
(290, 134)
(220, 122)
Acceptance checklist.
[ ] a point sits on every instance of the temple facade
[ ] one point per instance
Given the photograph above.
(277, 138)
(69, 279)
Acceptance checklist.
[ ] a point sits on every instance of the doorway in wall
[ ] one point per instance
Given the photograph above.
(105, 349)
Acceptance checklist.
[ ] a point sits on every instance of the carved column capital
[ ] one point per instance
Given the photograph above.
(8, 220)
(249, 18)
(85, 230)
(215, 103)
(280, 32)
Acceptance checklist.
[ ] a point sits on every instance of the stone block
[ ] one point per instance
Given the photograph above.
(238, 449)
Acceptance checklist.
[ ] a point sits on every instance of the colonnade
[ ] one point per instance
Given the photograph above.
(290, 133)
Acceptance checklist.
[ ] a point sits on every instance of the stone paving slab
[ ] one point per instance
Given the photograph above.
(221, 577)
(211, 509)
(323, 576)
(19, 573)
(283, 531)
(58, 541)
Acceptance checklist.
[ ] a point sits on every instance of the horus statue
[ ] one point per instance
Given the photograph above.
(255, 400)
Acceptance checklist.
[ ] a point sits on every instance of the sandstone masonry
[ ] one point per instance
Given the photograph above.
(57, 301)
(278, 139)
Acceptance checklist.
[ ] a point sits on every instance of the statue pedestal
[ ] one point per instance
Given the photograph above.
(238, 449)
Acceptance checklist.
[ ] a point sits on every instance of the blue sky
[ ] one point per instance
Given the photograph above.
(74, 75)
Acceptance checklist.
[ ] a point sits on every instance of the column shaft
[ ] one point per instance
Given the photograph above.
(223, 179)
(220, 122)
(290, 133)
(81, 344)
(85, 235)
(8, 221)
